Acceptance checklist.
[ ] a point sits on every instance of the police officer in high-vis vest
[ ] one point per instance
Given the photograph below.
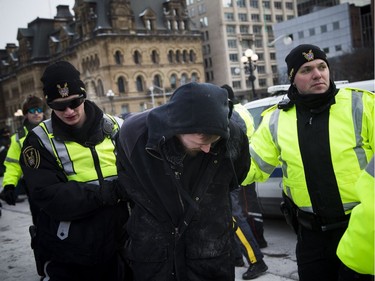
(33, 111)
(356, 247)
(69, 165)
(322, 138)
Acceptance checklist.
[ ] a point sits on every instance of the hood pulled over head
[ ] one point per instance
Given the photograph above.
(194, 108)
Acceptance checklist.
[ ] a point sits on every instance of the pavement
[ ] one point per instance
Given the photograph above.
(17, 260)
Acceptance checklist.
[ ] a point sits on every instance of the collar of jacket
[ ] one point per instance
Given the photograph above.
(313, 102)
(89, 134)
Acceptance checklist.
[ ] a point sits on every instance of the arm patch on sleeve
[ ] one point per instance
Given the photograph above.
(31, 157)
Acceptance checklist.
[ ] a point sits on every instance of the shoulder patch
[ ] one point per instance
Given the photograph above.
(31, 157)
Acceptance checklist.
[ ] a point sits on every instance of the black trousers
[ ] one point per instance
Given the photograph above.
(112, 270)
(248, 198)
(316, 254)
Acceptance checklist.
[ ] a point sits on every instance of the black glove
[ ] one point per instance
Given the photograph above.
(9, 194)
(108, 193)
(121, 192)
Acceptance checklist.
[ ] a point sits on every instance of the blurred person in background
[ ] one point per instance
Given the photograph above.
(33, 111)
(4, 146)
(245, 242)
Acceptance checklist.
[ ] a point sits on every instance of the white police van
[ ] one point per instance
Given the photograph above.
(270, 192)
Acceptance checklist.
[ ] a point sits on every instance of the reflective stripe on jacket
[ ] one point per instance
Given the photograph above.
(351, 134)
(356, 248)
(77, 161)
(13, 170)
(246, 117)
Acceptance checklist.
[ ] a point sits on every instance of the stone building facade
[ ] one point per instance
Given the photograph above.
(139, 50)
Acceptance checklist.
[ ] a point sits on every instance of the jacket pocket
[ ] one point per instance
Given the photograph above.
(146, 251)
(204, 249)
(87, 241)
(145, 245)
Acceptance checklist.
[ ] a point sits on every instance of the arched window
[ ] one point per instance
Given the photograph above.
(154, 57)
(148, 25)
(173, 81)
(137, 57)
(139, 83)
(184, 56)
(178, 55)
(192, 56)
(194, 77)
(118, 58)
(96, 61)
(92, 89)
(184, 79)
(170, 56)
(121, 85)
(157, 81)
(91, 63)
(100, 89)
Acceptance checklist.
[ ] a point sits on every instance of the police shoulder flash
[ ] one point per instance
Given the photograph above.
(31, 157)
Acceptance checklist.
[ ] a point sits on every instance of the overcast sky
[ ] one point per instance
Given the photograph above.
(16, 14)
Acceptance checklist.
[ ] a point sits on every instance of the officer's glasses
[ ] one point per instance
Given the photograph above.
(35, 110)
(63, 105)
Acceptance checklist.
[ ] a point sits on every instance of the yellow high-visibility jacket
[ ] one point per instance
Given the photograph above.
(246, 117)
(80, 163)
(13, 170)
(356, 247)
(351, 143)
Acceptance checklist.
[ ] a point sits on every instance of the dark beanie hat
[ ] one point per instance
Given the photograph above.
(194, 108)
(300, 55)
(32, 102)
(60, 80)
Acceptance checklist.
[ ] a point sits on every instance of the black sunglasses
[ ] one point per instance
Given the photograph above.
(63, 105)
(35, 110)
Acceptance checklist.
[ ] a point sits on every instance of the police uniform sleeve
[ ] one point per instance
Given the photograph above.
(13, 170)
(264, 153)
(241, 161)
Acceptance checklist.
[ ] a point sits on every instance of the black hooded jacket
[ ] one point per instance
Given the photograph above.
(180, 224)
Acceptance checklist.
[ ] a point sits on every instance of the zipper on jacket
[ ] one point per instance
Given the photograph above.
(177, 176)
(97, 164)
(176, 233)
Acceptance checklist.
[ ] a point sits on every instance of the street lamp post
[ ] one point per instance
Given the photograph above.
(110, 95)
(152, 96)
(249, 60)
(153, 87)
(18, 115)
(287, 40)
